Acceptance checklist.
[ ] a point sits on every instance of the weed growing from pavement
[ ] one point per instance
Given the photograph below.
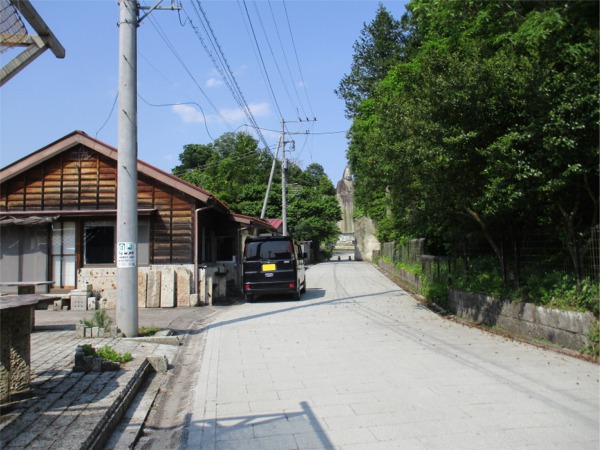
(107, 353)
(100, 319)
(147, 331)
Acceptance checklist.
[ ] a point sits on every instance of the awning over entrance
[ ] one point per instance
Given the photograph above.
(26, 221)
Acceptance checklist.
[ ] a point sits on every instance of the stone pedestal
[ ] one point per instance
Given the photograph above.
(15, 351)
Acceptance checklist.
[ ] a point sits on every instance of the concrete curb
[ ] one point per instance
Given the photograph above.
(113, 415)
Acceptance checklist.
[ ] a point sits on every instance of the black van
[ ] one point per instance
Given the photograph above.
(273, 265)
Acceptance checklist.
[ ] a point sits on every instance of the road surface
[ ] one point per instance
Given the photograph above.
(357, 363)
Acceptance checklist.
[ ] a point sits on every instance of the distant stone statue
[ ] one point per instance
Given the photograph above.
(345, 197)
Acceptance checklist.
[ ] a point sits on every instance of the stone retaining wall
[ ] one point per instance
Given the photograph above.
(402, 277)
(568, 329)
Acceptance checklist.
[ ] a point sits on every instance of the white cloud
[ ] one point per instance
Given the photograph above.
(257, 109)
(189, 114)
(213, 82)
(192, 114)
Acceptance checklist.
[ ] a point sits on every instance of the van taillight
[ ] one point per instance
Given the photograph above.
(247, 287)
(292, 285)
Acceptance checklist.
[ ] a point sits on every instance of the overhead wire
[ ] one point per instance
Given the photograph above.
(297, 58)
(179, 104)
(286, 59)
(222, 66)
(267, 40)
(261, 59)
(215, 164)
(171, 47)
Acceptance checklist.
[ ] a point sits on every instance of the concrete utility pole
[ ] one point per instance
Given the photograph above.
(283, 184)
(127, 207)
(283, 172)
(127, 220)
(264, 208)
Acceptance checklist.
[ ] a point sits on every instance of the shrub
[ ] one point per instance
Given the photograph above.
(88, 350)
(108, 353)
(593, 347)
(100, 319)
(435, 292)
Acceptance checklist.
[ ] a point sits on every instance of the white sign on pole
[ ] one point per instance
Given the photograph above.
(126, 254)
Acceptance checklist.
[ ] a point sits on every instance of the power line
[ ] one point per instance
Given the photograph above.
(262, 61)
(266, 36)
(222, 66)
(180, 104)
(187, 70)
(285, 58)
(297, 59)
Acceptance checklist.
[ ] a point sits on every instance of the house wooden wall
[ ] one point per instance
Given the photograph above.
(80, 179)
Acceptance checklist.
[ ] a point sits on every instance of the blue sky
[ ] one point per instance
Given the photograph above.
(53, 97)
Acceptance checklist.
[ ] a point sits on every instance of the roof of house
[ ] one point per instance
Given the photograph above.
(79, 137)
(275, 223)
(249, 220)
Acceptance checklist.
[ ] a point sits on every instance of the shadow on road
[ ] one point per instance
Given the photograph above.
(292, 429)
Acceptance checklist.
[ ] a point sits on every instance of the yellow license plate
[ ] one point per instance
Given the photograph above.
(268, 267)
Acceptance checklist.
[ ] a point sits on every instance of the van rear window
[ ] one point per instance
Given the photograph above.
(268, 250)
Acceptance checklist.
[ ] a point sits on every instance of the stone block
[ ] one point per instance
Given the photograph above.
(184, 286)
(167, 289)
(160, 364)
(15, 351)
(142, 289)
(78, 301)
(92, 303)
(153, 289)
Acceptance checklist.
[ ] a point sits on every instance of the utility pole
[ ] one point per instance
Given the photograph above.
(264, 208)
(127, 207)
(283, 184)
(283, 171)
(281, 142)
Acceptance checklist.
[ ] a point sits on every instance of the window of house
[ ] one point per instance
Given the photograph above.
(100, 239)
(225, 248)
(99, 242)
(64, 254)
(143, 250)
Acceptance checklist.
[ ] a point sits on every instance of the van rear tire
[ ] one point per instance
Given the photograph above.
(249, 298)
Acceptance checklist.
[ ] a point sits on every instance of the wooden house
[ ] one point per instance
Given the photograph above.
(58, 222)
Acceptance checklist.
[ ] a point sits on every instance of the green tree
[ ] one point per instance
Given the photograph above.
(490, 125)
(236, 171)
(313, 210)
(232, 163)
(379, 47)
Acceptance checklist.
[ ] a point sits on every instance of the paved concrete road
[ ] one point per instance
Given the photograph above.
(359, 364)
